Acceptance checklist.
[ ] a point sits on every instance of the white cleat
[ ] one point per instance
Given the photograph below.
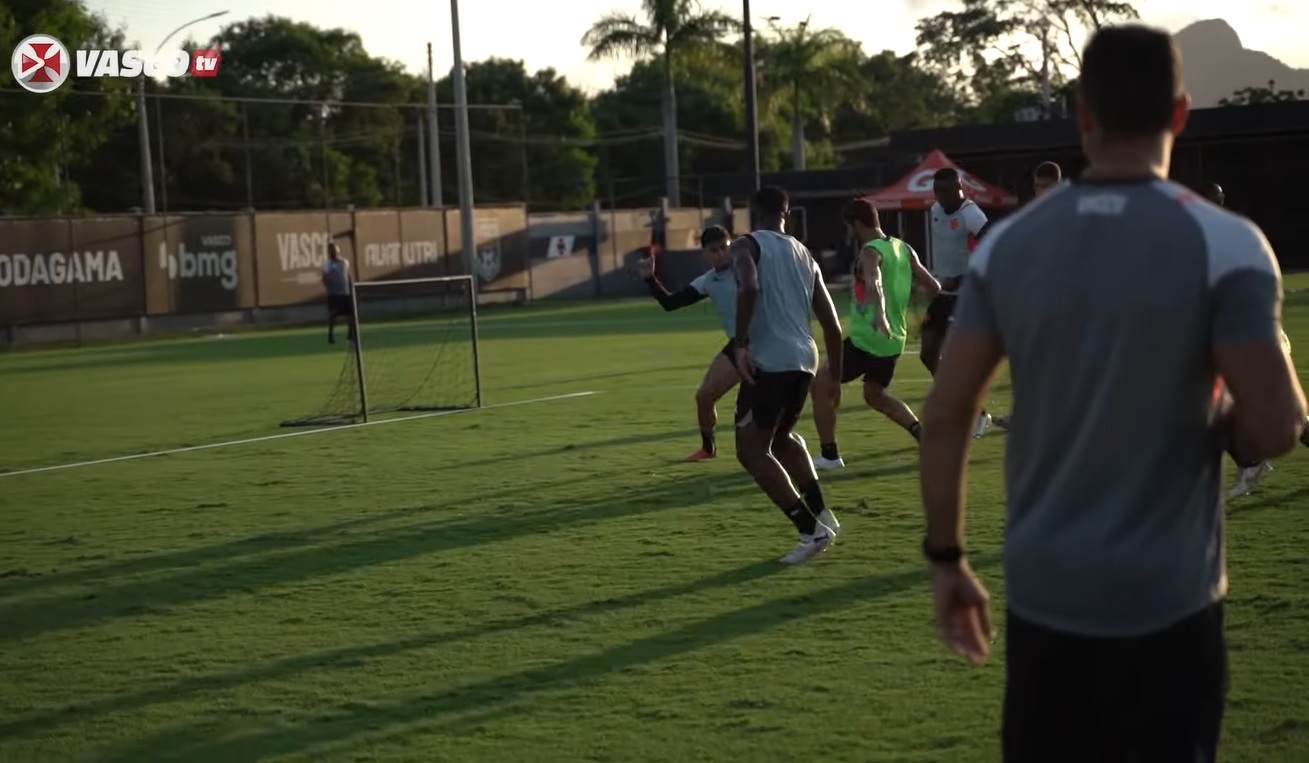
(983, 426)
(1249, 479)
(828, 519)
(828, 464)
(810, 545)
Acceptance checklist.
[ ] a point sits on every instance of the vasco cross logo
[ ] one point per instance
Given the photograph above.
(40, 63)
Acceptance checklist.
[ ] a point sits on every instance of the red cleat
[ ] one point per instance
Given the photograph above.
(701, 455)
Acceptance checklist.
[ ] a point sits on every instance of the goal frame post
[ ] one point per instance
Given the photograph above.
(472, 327)
(361, 357)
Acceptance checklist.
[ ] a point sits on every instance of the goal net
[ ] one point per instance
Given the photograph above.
(414, 349)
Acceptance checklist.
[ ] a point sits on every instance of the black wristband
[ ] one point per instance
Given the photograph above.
(942, 555)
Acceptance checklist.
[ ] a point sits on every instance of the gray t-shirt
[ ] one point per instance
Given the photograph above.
(780, 337)
(1108, 299)
(720, 288)
(337, 273)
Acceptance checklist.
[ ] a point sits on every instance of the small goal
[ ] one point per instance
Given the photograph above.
(413, 347)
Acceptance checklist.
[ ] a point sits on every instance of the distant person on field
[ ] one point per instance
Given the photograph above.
(1123, 302)
(1045, 177)
(718, 283)
(336, 279)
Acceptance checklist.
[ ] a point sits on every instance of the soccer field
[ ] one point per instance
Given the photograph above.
(542, 581)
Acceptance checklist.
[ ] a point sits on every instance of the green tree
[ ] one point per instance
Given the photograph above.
(999, 53)
(711, 127)
(1253, 96)
(812, 71)
(670, 27)
(312, 155)
(895, 94)
(49, 141)
(555, 121)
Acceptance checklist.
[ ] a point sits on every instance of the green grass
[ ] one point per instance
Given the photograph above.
(541, 582)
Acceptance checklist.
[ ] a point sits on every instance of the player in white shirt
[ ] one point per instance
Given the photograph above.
(957, 223)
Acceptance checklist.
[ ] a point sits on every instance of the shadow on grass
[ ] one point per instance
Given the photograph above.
(264, 543)
(292, 666)
(88, 606)
(602, 376)
(204, 742)
(33, 617)
(1286, 499)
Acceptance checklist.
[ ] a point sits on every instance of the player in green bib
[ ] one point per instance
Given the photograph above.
(885, 274)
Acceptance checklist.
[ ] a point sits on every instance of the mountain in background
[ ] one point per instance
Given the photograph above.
(1217, 64)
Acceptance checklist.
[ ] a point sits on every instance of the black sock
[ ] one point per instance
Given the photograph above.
(707, 441)
(917, 430)
(830, 451)
(813, 498)
(801, 517)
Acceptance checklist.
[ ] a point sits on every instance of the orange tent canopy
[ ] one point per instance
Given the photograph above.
(914, 191)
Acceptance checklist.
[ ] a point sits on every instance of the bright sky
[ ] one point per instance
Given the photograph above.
(548, 33)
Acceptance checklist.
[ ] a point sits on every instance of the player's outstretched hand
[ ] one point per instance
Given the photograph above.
(744, 365)
(645, 266)
(963, 611)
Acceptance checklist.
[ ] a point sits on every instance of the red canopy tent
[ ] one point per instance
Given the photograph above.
(914, 191)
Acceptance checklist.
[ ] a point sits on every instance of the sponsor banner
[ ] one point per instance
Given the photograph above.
(500, 256)
(560, 246)
(62, 270)
(198, 264)
(400, 244)
(290, 251)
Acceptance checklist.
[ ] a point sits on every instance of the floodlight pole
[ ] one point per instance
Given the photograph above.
(433, 134)
(143, 125)
(464, 152)
(751, 107)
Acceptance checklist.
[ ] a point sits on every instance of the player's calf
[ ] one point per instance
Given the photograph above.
(893, 408)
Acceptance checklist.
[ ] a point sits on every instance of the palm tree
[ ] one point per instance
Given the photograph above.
(819, 68)
(670, 27)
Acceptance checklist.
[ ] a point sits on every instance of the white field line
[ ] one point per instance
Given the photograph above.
(288, 435)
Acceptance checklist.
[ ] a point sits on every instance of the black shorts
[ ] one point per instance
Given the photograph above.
(940, 313)
(856, 363)
(340, 304)
(1157, 697)
(774, 401)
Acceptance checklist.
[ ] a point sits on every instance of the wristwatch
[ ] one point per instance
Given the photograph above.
(942, 554)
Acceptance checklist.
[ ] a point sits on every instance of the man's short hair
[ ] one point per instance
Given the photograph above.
(861, 211)
(333, 248)
(945, 175)
(772, 201)
(1131, 75)
(1048, 171)
(713, 235)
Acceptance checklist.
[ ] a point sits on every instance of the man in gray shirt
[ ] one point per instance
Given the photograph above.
(1142, 329)
(779, 286)
(336, 279)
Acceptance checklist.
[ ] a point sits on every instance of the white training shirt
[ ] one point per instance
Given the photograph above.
(953, 237)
